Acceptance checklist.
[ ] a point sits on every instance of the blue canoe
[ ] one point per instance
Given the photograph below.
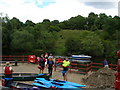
(47, 83)
(53, 85)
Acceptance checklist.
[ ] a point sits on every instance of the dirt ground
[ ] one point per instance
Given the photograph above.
(32, 68)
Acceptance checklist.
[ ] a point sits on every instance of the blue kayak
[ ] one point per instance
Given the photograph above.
(56, 83)
(48, 85)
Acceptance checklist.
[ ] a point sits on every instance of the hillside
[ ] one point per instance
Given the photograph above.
(63, 35)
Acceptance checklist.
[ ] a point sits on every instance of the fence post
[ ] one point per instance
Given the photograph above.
(22, 59)
(91, 66)
(87, 69)
(55, 66)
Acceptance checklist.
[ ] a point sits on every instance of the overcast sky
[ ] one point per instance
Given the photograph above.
(37, 10)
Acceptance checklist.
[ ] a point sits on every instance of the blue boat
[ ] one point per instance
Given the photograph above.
(48, 83)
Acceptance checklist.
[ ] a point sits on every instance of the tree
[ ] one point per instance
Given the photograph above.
(46, 42)
(29, 23)
(64, 25)
(55, 22)
(73, 46)
(91, 43)
(22, 41)
(109, 50)
(77, 22)
(94, 28)
(110, 25)
(6, 35)
(87, 42)
(54, 29)
(100, 21)
(91, 20)
(16, 23)
(46, 21)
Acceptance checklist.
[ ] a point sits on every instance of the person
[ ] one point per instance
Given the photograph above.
(38, 59)
(65, 66)
(105, 62)
(8, 75)
(46, 58)
(58, 61)
(50, 64)
(50, 56)
(42, 64)
(8, 70)
(46, 55)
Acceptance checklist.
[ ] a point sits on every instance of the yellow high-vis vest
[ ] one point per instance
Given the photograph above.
(65, 63)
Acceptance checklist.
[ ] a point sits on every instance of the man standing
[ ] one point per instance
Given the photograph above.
(106, 65)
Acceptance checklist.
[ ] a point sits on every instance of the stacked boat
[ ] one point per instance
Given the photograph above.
(81, 58)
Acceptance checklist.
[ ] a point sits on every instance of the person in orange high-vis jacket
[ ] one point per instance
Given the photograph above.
(8, 70)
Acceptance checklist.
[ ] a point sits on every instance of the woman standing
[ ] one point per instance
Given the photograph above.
(50, 65)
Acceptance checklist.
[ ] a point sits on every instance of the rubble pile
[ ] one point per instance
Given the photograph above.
(103, 78)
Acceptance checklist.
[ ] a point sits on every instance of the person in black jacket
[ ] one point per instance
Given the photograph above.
(42, 64)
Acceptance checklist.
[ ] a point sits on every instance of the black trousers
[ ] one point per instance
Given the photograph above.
(50, 71)
(8, 82)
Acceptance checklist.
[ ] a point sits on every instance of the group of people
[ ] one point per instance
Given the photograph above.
(46, 61)
(50, 63)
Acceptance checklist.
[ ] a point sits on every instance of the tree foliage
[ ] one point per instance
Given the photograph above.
(87, 43)
(22, 40)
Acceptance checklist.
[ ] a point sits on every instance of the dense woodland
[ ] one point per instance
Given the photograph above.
(95, 35)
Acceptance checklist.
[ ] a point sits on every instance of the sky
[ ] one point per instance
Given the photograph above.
(38, 10)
